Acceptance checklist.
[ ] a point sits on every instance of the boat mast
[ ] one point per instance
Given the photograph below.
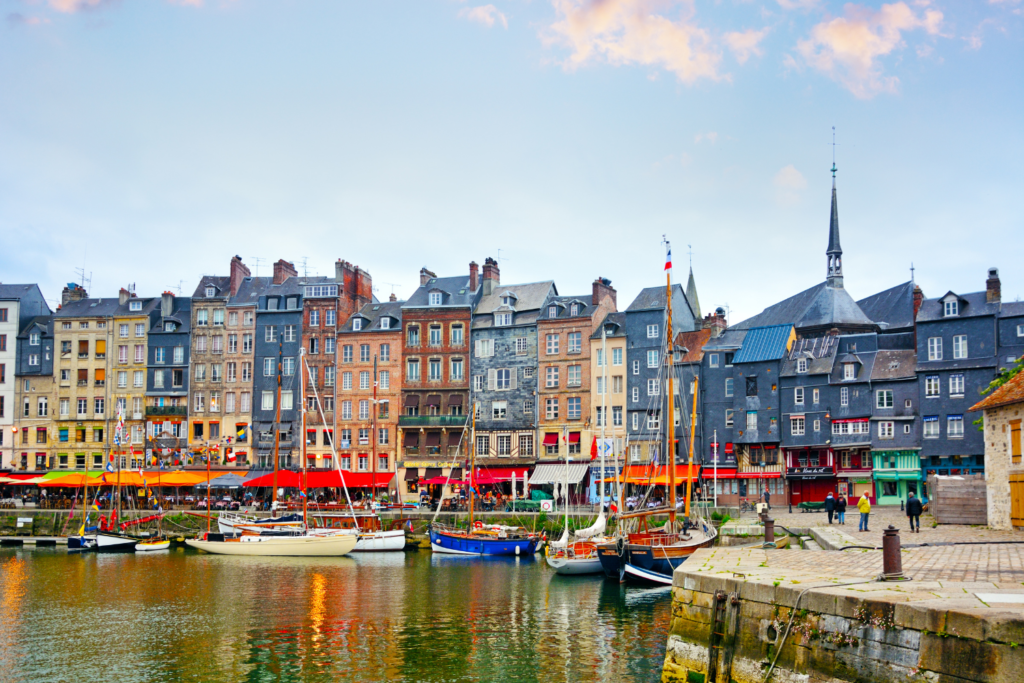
(373, 437)
(302, 433)
(670, 458)
(277, 420)
(604, 410)
(693, 422)
(472, 463)
(209, 512)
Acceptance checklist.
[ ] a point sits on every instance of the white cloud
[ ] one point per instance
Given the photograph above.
(711, 137)
(69, 6)
(788, 178)
(849, 49)
(746, 43)
(797, 4)
(636, 32)
(484, 14)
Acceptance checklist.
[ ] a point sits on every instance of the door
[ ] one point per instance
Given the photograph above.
(1017, 499)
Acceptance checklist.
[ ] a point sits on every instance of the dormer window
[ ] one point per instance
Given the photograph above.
(211, 291)
(574, 309)
(801, 365)
(170, 327)
(506, 300)
(502, 319)
(951, 307)
(434, 298)
(385, 323)
(357, 324)
(849, 371)
(552, 311)
(272, 303)
(134, 305)
(292, 303)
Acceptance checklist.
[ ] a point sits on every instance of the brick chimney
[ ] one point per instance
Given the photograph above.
(123, 296)
(392, 298)
(491, 275)
(603, 289)
(715, 322)
(73, 292)
(364, 286)
(425, 276)
(918, 298)
(239, 271)
(283, 270)
(474, 276)
(167, 303)
(993, 289)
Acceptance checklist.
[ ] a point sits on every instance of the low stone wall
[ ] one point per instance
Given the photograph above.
(872, 632)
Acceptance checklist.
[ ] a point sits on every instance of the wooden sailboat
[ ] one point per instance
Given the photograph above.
(651, 555)
(301, 542)
(111, 537)
(478, 538)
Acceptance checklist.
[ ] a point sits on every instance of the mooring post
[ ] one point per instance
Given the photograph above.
(892, 562)
(769, 530)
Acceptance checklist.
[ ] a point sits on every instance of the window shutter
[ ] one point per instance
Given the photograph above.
(492, 379)
(514, 382)
(476, 347)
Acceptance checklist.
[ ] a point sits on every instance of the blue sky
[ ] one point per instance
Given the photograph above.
(152, 140)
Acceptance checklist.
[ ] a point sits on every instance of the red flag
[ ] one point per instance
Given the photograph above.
(593, 449)
(668, 259)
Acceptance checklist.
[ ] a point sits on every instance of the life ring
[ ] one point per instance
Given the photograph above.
(478, 524)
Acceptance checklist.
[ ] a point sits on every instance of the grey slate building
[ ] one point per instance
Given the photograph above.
(895, 425)
(505, 372)
(167, 381)
(34, 388)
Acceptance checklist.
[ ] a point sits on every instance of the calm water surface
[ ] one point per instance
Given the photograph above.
(183, 615)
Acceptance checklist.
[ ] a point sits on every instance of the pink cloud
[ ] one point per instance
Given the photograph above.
(69, 6)
(849, 49)
(746, 43)
(623, 32)
(484, 14)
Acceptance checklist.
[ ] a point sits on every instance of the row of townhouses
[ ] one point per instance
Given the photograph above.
(817, 393)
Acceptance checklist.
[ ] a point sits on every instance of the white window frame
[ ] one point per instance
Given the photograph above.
(954, 426)
(884, 399)
(797, 426)
(652, 358)
(934, 348)
(849, 371)
(798, 396)
(434, 298)
(951, 307)
(801, 365)
(956, 388)
(886, 429)
(959, 346)
(932, 386)
(652, 331)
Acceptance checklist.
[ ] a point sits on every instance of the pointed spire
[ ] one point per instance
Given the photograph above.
(834, 253)
(691, 295)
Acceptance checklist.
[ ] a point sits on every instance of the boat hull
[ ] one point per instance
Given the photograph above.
(113, 543)
(279, 546)
(227, 522)
(451, 544)
(571, 566)
(81, 543)
(151, 547)
(380, 541)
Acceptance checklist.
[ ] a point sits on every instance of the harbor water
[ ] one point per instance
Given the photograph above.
(180, 615)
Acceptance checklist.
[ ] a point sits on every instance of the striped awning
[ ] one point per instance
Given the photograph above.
(551, 473)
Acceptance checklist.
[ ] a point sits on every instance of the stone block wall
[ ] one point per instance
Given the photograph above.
(998, 465)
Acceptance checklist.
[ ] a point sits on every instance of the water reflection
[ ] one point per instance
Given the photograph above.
(181, 615)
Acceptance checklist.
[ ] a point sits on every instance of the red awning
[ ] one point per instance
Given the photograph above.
(645, 474)
(362, 480)
(574, 437)
(496, 475)
(550, 439)
(285, 479)
(721, 473)
(759, 475)
(728, 447)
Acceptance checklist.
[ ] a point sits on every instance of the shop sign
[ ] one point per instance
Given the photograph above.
(809, 473)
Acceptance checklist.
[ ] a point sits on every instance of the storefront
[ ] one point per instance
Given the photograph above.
(610, 476)
(853, 472)
(896, 474)
(721, 485)
(811, 474)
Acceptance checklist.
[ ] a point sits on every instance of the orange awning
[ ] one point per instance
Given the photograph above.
(72, 480)
(179, 478)
(645, 474)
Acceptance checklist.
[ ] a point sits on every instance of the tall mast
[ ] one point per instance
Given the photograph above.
(302, 432)
(472, 462)
(209, 512)
(670, 426)
(693, 422)
(604, 408)
(373, 436)
(277, 418)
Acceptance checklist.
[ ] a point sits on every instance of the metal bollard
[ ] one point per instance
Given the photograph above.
(769, 530)
(892, 562)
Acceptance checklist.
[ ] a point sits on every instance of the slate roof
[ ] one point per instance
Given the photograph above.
(691, 295)
(222, 283)
(1008, 394)
(972, 305)
(16, 291)
(89, 308)
(249, 291)
(654, 297)
(819, 352)
(892, 365)
(373, 313)
(181, 313)
(457, 289)
(694, 341)
(528, 300)
(42, 323)
(618, 319)
(563, 306)
(730, 339)
(764, 343)
(819, 306)
(893, 306)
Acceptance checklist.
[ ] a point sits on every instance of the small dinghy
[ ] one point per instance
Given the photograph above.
(153, 545)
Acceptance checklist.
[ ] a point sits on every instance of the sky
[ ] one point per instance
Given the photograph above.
(149, 141)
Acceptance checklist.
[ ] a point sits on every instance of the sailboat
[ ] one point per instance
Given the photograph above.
(111, 536)
(478, 538)
(581, 555)
(647, 554)
(302, 542)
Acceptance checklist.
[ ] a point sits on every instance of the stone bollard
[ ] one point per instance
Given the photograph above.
(892, 562)
(769, 530)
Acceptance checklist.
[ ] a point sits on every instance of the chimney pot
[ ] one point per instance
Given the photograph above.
(283, 270)
(239, 271)
(993, 288)
(474, 276)
(602, 288)
(491, 275)
(392, 297)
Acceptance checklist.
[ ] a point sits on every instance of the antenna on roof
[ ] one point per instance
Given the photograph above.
(258, 261)
(84, 280)
(305, 268)
(500, 260)
(911, 272)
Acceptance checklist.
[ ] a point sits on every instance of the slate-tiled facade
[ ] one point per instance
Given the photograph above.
(167, 382)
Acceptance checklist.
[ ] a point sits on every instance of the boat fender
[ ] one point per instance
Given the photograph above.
(478, 524)
(517, 551)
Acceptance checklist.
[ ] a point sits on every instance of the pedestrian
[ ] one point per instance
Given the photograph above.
(767, 497)
(864, 505)
(914, 509)
(841, 508)
(830, 506)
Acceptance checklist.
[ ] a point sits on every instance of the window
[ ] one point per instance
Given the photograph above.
(134, 305)
(364, 409)
(246, 343)
(955, 426)
(364, 353)
(457, 336)
(1015, 449)
(140, 352)
(502, 319)
(728, 387)
(816, 396)
(752, 419)
(330, 317)
(248, 318)
(575, 342)
(346, 414)
(232, 343)
(617, 416)
(883, 399)
(33, 359)
(218, 317)
(346, 379)
(201, 372)
(653, 387)
(137, 380)
(801, 365)
(314, 346)
(931, 386)
(286, 400)
(635, 420)
(502, 379)
(528, 372)
(636, 367)
(728, 417)
(575, 376)
(956, 385)
(654, 423)
(385, 323)
(652, 358)
(551, 346)
(229, 402)
(434, 298)
(483, 445)
(434, 335)
(751, 386)
(652, 331)
(617, 384)
(796, 426)
(314, 321)
(457, 372)
(385, 352)
(617, 356)
(270, 333)
(1020, 330)
(931, 427)
(289, 333)
(484, 348)
(383, 438)
(551, 408)
(713, 360)
(950, 307)
(574, 408)
(434, 369)
(329, 346)
(268, 367)
(199, 402)
(551, 376)
(122, 331)
(849, 371)
(364, 379)
(499, 409)
(346, 353)
(42, 409)
(960, 346)
(934, 348)
(202, 317)
(412, 370)
(798, 396)
(412, 335)
(885, 429)
(478, 382)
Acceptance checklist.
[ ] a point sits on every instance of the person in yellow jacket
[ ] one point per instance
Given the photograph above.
(864, 505)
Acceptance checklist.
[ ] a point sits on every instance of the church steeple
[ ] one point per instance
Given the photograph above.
(834, 254)
(691, 295)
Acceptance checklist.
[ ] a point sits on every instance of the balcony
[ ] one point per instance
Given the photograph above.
(166, 410)
(432, 420)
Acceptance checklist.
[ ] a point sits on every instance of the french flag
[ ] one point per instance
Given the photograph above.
(668, 259)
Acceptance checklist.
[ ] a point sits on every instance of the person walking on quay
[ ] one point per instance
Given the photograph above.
(914, 510)
(767, 497)
(830, 506)
(841, 509)
(864, 505)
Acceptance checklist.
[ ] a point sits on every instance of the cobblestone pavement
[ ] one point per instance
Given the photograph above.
(882, 517)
